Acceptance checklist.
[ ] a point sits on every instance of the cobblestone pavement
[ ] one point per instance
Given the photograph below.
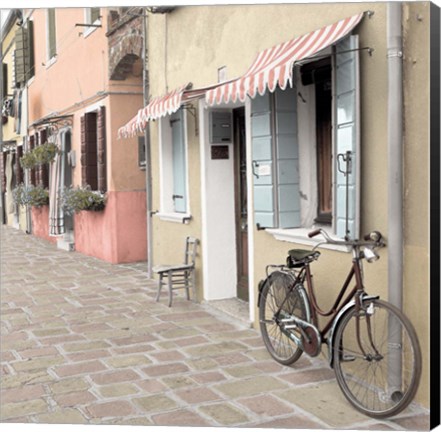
(84, 342)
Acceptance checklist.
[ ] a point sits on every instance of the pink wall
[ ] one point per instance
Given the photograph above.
(117, 234)
(40, 223)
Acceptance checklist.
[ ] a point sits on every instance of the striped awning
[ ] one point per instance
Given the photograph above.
(274, 66)
(158, 107)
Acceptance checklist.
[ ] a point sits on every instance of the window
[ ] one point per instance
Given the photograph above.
(304, 141)
(93, 17)
(141, 152)
(173, 164)
(93, 150)
(24, 53)
(51, 35)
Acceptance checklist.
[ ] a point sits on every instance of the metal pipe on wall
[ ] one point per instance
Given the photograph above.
(395, 153)
(395, 189)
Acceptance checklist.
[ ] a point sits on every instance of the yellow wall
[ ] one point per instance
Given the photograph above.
(231, 36)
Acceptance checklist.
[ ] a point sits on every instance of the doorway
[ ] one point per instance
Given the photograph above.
(241, 200)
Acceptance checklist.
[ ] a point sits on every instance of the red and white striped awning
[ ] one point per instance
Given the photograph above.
(158, 107)
(274, 66)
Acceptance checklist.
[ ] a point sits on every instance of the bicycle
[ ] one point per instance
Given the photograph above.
(372, 346)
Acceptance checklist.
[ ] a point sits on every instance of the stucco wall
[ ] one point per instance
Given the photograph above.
(231, 36)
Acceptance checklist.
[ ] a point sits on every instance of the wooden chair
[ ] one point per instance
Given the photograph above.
(179, 276)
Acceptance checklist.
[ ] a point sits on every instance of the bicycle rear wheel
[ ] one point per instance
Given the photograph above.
(276, 339)
(382, 380)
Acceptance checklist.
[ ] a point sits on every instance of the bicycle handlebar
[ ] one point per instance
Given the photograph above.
(374, 238)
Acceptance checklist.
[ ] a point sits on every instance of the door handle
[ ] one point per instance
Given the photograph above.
(255, 165)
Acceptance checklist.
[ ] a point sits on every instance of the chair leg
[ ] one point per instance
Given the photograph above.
(193, 285)
(170, 290)
(187, 285)
(159, 287)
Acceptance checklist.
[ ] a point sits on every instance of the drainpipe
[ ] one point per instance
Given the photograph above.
(148, 164)
(395, 184)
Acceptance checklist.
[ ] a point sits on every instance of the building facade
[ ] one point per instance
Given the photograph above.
(250, 174)
(87, 79)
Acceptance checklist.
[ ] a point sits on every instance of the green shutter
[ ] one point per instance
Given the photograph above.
(263, 172)
(347, 138)
(30, 61)
(275, 159)
(288, 197)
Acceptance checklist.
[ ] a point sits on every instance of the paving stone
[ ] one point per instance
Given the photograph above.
(115, 390)
(22, 393)
(22, 379)
(172, 355)
(133, 340)
(7, 356)
(415, 422)
(208, 377)
(195, 340)
(231, 359)
(291, 422)
(155, 403)
(179, 418)
(327, 403)
(250, 386)
(110, 409)
(178, 333)
(40, 363)
(38, 352)
(309, 376)
(89, 355)
(197, 395)
(79, 368)
(84, 346)
(124, 361)
(214, 349)
(132, 349)
(167, 369)
(74, 398)
(266, 405)
(175, 382)
(19, 409)
(225, 414)
(115, 377)
(151, 386)
(201, 364)
(242, 371)
(69, 385)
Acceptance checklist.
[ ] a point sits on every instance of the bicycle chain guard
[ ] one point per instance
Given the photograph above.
(313, 346)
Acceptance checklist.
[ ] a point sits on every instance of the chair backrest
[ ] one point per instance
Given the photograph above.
(190, 250)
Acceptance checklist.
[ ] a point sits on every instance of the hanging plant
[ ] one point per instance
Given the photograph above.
(74, 200)
(34, 196)
(40, 155)
(28, 161)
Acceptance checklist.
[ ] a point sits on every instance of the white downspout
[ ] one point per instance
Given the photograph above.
(395, 185)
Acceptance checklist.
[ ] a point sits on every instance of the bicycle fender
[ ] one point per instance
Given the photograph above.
(260, 288)
(337, 320)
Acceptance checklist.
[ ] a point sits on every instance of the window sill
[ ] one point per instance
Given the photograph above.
(175, 217)
(51, 61)
(90, 30)
(300, 236)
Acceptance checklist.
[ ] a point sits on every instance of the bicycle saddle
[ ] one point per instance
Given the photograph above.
(299, 257)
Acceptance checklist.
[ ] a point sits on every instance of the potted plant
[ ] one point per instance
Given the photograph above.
(74, 200)
(34, 196)
(40, 155)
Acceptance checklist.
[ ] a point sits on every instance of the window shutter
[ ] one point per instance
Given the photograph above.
(30, 71)
(3, 170)
(19, 56)
(33, 179)
(275, 159)
(262, 148)
(94, 14)
(89, 150)
(347, 137)
(5, 80)
(101, 159)
(44, 171)
(179, 165)
(18, 169)
(288, 196)
(52, 41)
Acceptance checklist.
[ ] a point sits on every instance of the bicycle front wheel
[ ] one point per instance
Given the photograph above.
(279, 293)
(377, 359)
